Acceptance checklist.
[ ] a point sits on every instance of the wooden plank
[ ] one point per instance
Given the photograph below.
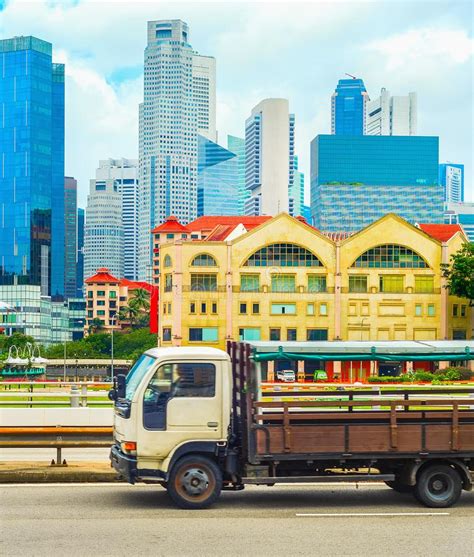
(455, 428)
(393, 426)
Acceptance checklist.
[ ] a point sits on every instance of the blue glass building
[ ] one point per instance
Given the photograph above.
(80, 253)
(348, 107)
(356, 180)
(218, 172)
(236, 145)
(32, 182)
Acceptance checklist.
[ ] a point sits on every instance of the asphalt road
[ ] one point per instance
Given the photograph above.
(331, 520)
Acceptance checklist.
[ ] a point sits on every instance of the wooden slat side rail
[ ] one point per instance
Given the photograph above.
(286, 429)
(354, 403)
(393, 426)
(455, 428)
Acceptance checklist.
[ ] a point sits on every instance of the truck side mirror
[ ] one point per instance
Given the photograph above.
(120, 387)
(112, 394)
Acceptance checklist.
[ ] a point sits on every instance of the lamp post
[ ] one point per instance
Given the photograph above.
(65, 350)
(112, 320)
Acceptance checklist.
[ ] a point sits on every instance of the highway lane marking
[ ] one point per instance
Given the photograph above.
(371, 514)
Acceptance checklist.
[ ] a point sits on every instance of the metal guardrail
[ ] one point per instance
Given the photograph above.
(41, 394)
(58, 437)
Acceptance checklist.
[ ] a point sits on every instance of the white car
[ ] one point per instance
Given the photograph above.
(286, 375)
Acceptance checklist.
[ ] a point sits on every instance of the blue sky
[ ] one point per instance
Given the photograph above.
(263, 49)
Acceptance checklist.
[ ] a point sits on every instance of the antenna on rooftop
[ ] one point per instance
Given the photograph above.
(350, 75)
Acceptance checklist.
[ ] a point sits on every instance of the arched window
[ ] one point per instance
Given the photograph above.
(167, 261)
(204, 260)
(283, 255)
(390, 256)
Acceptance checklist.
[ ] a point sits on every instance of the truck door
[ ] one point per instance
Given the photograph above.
(182, 402)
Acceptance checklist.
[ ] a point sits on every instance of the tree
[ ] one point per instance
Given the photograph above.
(460, 273)
(128, 314)
(140, 299)
(95, 325)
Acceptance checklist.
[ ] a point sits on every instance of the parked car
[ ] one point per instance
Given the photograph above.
(286, 375)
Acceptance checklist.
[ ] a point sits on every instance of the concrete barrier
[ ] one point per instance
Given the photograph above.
(10, 417)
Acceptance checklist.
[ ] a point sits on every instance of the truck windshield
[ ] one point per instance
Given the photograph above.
(136, 375)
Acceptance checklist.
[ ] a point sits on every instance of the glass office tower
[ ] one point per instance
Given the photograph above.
(356, 180)
(237, 145)
(218, 192)
(32, 177)
(348, 104)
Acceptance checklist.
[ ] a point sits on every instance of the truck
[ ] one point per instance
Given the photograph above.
(195, 421)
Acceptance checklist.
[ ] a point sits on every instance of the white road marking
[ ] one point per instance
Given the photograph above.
(372, 514)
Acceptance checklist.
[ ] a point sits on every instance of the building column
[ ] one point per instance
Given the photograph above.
(229, 295)
(444, 295)
(176, 330)
(337, 295)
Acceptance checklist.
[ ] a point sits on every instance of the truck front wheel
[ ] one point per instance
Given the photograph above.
(438, 486)
(195, 482)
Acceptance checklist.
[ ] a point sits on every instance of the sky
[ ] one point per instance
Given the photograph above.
(295, 50)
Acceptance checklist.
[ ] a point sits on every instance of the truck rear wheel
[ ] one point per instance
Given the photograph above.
(438, 486)
(195, 482)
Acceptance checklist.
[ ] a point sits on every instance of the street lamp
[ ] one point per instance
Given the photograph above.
(65, 350)
(112, 320)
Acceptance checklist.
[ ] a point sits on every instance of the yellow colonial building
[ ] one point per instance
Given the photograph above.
(284, 280)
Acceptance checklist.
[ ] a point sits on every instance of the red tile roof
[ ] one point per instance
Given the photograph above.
(220, 232)
(102, 275)
(210, 222)
(134, 285)
(441, 232)
(171, 224)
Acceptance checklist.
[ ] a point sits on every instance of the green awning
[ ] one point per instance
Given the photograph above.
(373, 356)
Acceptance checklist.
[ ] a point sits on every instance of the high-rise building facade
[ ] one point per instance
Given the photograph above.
(237, 146)
(356, 180)
(32, 233)
(463, 214)
(348, 107)
(387, 115)
(80, 253)
(217, 179)
(70, 244)
(269, 157)
(179, 102)
(125, 174)
(297, 193)
(103, 232)
(451, 177)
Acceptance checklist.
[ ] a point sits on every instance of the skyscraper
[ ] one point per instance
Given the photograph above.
(179, 102)
(237, 146)
(80, 253)
(269, 157)
(357, 180)
(217, 179)
(103, 232)
(451, 177)
(125, 174)
(387, 115)
(348, 104)
(32, 181)
(297, 193)
(70, 244)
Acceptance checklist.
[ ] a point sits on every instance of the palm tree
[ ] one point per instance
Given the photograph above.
(95, 325)
(128, 314)
(140, 299)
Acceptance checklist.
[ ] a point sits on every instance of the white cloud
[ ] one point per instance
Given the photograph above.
(426, 48)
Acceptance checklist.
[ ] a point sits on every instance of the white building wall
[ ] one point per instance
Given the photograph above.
(387, 115)
(103, 229)
(204, 90)
(168, 119)
(270, 155)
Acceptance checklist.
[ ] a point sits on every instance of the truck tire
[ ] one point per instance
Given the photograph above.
(399, 487)
(195, 482)
(438, 486)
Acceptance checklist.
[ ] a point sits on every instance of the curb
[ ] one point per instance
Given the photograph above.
(61, 474)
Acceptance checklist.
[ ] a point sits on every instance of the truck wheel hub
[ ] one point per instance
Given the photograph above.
(195, 481)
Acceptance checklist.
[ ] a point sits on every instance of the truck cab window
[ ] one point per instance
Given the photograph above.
(176, 380)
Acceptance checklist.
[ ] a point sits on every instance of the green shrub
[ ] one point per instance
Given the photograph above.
(463, 373)
(423, 376)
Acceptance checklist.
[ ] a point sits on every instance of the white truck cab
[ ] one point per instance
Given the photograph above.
(175, 401)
